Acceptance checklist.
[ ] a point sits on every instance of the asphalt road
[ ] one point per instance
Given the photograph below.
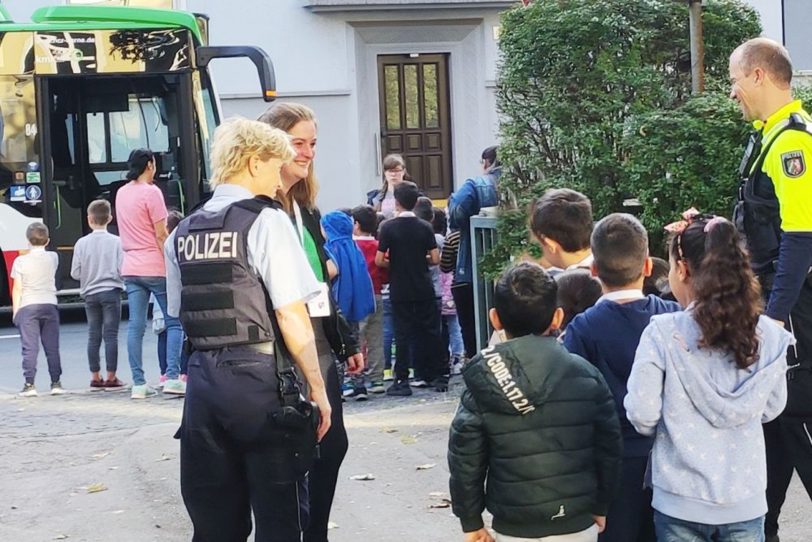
(97, 466)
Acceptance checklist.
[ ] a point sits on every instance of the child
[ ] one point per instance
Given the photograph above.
(535, 439)
(365, 225)
(577, 291)
(657, 282)
(703, 382)
(452, 333)
(352, 287)
(34, 312)
(411, 247)
(159, 322)
(96, 264)
(561, 220)
(607, 335)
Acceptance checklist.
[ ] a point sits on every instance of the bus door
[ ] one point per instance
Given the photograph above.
(94, 122)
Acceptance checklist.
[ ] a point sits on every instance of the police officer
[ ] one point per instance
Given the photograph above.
(238, 279)
(774, 212)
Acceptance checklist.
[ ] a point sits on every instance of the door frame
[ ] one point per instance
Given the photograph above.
(444, 94)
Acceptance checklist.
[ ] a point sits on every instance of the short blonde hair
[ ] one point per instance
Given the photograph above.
(237, 139)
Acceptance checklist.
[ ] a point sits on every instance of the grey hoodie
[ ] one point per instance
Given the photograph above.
(708, 464)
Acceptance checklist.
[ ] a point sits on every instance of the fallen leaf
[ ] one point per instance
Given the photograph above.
(61, 537)
(388, 430)
(438, 494)
(444, 503)
(427, 466)
(101, 455)
(363, 477)
(332, 525)
(95, 488)
(408, 439)
(164, 457)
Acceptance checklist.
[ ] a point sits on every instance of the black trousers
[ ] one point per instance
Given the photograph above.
(418, 338)
(463, 294)
(324, 474)
(233, 457)
(788, 438)
(631, 517)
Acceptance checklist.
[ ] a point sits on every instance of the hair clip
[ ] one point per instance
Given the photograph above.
(680, 225)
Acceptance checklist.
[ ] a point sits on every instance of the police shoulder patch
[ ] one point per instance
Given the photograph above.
(793, 163)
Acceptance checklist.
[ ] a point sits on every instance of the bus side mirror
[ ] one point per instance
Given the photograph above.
(256, 55)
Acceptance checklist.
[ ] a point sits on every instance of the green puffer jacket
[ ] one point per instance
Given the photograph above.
(538, 426)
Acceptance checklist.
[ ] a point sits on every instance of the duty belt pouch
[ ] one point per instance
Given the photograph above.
(298, 418)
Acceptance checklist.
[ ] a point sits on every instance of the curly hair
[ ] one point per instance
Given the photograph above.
(727, 296)
(237, 139)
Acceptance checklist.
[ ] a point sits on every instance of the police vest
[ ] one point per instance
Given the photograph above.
(223, 302)
(757, 214)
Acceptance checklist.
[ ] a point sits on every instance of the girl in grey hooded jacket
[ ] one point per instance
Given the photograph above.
(703, 382)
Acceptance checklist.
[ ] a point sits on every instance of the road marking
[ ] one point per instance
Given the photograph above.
(9, 336)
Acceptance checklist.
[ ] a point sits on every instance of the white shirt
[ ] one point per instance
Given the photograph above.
(37, 271)
(274, 253)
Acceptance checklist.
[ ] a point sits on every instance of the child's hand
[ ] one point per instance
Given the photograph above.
(600, 521)
(481, 535)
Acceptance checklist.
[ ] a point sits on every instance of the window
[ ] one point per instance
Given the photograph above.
(143, 125)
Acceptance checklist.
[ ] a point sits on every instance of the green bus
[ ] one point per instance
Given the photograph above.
(80, 87)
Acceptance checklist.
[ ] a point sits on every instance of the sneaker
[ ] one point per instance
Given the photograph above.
(418, 383)
(142, 392)
(162, 381)
(359, 393)
(28, 391)
(115, 383)
(175, 387)
(377, 387)
(387, 375)
(56, 388)
(456, 365)
(440, 383)
(347, 389)
(399, 389)
(98, 383)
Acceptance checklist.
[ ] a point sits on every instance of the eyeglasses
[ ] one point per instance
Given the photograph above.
(396, 170)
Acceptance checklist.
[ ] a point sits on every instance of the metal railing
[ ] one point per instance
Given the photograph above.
(483, 238)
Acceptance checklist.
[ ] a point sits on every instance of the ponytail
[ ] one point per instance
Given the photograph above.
(727, 295)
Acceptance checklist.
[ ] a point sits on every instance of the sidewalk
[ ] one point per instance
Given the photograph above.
(98, 467)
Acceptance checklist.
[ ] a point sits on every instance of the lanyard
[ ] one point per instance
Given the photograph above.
(632, 295)
(299, 226)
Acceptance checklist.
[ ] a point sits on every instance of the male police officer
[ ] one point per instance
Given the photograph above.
(243, 279)
(774, 212)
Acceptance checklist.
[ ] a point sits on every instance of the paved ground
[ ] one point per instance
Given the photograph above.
(96, 466)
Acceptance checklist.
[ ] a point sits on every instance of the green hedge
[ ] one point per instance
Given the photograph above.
(595, 95)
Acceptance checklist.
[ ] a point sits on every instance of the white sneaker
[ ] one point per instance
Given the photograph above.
(56, 388)
(28, 391)
(175, 387)
(142, 392)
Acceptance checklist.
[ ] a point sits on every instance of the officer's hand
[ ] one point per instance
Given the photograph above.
(355, 364)
(325, 411)
(482, 535)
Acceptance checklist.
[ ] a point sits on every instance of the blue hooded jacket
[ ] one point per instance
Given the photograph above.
(352, 288)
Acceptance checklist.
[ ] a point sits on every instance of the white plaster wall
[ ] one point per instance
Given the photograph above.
(771, 18)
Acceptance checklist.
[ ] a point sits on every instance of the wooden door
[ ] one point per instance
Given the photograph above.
(415, 118)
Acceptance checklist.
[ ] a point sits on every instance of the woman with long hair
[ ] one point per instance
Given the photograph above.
(703, 382)
(141, 215)
(334, 338)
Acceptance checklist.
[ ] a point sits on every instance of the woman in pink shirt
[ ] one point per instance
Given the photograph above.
(141, 215)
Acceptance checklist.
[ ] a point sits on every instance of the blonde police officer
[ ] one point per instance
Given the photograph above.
(232, 267)
(774, 212)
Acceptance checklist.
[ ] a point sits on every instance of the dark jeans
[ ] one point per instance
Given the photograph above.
(418, 336)
(103, 310)
(677, 530)
(463, 294)
(631, 517)
(333, 447)
(39, 323)
(233, 458)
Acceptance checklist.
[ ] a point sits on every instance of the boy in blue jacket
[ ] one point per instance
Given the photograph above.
(607, 335)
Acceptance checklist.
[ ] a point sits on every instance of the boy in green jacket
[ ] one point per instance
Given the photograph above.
(536, 439)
